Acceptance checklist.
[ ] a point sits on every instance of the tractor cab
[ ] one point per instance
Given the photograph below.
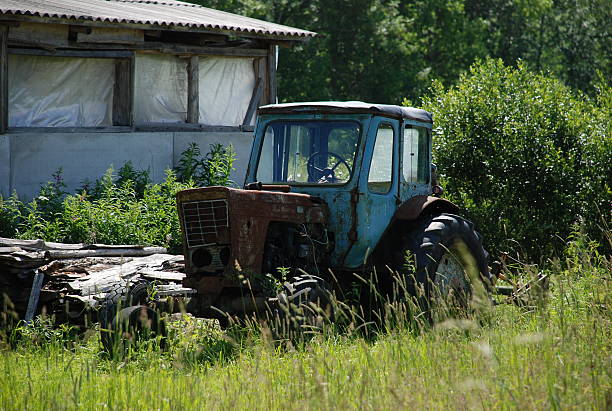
(363, 160)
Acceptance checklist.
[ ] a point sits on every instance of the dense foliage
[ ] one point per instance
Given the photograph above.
(523, 155)
(383, 51)
(119, 208)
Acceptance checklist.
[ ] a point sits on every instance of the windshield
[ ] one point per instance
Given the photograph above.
(313, 152)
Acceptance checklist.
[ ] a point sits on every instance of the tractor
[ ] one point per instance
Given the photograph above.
(332, 189)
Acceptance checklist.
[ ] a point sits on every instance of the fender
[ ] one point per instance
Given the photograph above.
(412, 209)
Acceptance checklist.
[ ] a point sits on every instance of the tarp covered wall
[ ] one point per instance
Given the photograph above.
(60, 91)
(225, 87)
(160, 91)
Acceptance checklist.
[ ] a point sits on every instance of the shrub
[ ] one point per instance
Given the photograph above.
(117, 209)
(214, 169)
(523, 156)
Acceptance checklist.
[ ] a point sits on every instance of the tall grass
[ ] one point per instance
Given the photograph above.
(553, 352)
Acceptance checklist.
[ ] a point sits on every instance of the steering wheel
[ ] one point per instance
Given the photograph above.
(324, 175)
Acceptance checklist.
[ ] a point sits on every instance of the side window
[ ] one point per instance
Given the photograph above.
(381, 166)
(415, 155)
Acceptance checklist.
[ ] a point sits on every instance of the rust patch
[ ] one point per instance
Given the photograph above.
(250, 212)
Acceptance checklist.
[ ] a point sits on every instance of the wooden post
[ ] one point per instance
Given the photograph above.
(34, 296)
(193, 95)
(272, 74)
(261, 72)
(122, 97)
(4, 31)
(254, 103)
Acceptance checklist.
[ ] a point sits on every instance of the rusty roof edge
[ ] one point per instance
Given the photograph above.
(300, 35)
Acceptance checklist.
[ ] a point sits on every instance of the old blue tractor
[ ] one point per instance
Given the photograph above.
(331, 187)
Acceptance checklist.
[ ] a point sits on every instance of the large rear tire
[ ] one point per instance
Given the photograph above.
(450, 266)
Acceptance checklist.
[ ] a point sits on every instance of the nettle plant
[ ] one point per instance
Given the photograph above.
(213, 169)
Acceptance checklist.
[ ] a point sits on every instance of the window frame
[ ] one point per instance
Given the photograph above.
(393, 156)
(307, 184)
(265, 85)
(427, 128)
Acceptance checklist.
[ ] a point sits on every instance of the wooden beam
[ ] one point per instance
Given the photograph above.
(153, 127)
(4, 32)
(32, 130)
(74, 53)
(122, 94)
(254, 103)
(157, 127)
(272, 74)
(212, 51)
(79, 29)
(170, 48)
(261, 71)
(193, 90)
(9, 23)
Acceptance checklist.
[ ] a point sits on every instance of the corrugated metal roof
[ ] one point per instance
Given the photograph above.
(162, 13)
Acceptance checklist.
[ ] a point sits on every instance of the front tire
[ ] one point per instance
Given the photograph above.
(302, 307)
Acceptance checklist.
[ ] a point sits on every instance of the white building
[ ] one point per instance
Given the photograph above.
(87, 84)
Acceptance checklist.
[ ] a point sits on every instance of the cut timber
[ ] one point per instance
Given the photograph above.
(162, 275)
(106, 252)
(113, 250)
(118, 277)
(87, 275)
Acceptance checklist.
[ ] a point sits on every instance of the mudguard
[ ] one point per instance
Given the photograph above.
(415, 207)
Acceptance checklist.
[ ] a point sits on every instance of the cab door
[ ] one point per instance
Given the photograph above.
(375, 200)
(415, 150)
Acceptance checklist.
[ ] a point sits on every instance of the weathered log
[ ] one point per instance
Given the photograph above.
(119, 276)
(162, 275)
(106, 252)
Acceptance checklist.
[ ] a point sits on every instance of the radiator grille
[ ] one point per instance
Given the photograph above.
(203, 220)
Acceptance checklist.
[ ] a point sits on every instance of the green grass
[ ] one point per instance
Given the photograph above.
(554, 354)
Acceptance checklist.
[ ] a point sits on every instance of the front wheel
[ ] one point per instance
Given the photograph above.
(302, 308)
(450, 266)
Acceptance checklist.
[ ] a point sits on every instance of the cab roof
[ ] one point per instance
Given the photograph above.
(351, 107)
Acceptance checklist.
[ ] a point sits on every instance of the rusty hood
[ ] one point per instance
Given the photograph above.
(235, 223)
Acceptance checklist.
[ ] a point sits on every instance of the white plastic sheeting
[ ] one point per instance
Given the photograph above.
(60, 91)
(160, 94)
(225, 86)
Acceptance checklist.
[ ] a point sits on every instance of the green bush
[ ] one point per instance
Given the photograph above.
(214, 169)
(523, 156)
(116, 209)
(115, 215)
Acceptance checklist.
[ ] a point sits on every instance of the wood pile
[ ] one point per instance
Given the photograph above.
(79, 277)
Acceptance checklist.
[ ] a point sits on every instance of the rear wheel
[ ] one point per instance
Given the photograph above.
(450, 271)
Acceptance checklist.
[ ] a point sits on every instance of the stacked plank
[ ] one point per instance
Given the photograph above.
(77, 277)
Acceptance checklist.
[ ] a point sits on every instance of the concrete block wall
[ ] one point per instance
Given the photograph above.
(27, 160)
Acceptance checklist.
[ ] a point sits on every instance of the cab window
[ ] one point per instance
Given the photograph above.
(415, 155)
(381, 165)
